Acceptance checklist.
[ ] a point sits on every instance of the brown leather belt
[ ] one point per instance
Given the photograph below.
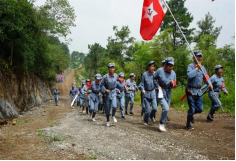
(111, 89)
(150, 90)
(164, 87)
(194, 87)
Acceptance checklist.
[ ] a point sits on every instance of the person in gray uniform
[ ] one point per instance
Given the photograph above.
(147, 86)
(165, 78)
(218, 85)
(108, 85)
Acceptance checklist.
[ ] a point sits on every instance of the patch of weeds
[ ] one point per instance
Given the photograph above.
(56, 137)
(51, 137)
(21, 157)
(69, 136)
(40, 133)
(92, 157)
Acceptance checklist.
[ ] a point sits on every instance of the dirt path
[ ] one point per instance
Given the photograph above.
(80, 138)
(25, 141)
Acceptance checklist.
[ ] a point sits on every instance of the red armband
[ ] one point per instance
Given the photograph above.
(223, 85)
(174, 84)
(205, 78)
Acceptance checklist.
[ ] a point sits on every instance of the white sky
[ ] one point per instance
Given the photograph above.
(96, 18)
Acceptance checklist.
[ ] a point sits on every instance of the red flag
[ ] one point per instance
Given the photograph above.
(152, 16)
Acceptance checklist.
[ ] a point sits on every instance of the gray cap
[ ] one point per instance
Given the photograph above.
(170, 60)
(98, 76)
(151, 62)
(132, 75)
(197, 52)
(111, 65)
(218, 66)
(121, 74)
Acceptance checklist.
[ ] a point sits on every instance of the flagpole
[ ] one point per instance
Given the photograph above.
(192, 51)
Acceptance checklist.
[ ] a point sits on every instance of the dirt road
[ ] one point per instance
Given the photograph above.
(77, 137)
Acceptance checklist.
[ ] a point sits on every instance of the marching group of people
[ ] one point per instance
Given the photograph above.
(111, 91)
(61, 77)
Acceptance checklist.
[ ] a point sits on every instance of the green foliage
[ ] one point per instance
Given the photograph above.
(183, 17)
(28, 42)
(40, 133)
(206, 27)
(210, 58)
(76, 59)
(117, 47)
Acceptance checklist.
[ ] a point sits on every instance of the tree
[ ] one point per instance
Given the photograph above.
(206, 27)
(93, 59)
(117, 47)
(56, 17)
(28, 42)
(207, 45)
(77, 57)
(183, 17)
(182, 58)
(162, 46)
(141, 58)
(227, 59)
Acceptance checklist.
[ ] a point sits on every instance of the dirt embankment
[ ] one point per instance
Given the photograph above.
(19, 94)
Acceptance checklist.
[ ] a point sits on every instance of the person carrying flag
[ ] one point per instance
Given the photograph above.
(193, 88)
